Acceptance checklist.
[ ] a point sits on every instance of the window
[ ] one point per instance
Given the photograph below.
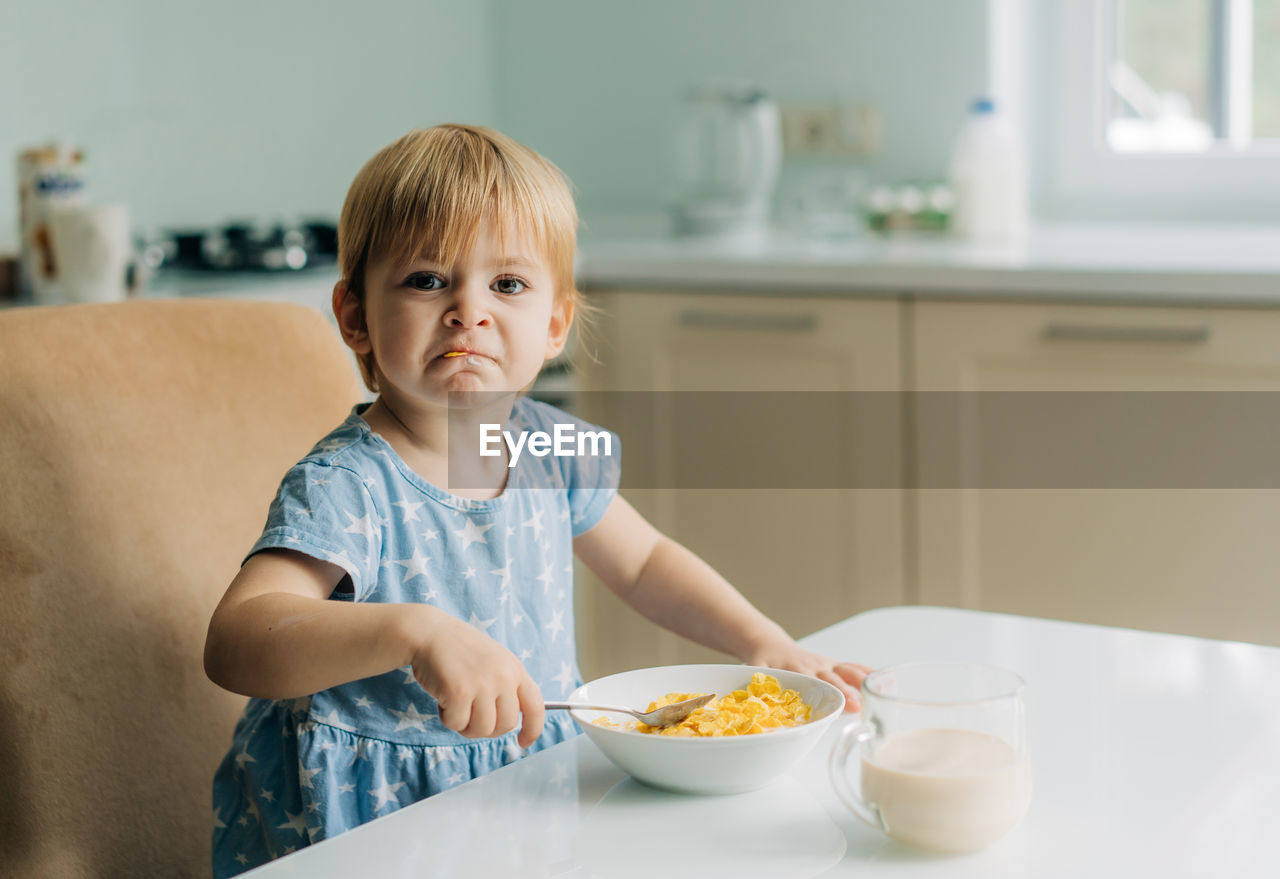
(1191, 75)
(1149, 110)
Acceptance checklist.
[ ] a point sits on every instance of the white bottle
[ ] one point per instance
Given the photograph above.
(988, 175)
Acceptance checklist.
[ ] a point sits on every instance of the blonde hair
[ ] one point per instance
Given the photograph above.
(425, 195)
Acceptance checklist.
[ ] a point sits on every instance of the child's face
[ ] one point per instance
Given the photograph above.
(485, 324)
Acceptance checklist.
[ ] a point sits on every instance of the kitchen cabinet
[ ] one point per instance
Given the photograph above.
(803, 556)
(1200, 561)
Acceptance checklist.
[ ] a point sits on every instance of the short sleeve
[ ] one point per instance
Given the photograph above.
(593, 483)
(326, 512)
(591, 477)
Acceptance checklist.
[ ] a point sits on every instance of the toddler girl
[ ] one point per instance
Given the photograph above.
(398, 639)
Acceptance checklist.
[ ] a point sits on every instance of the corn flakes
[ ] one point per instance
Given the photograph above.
(762, 706)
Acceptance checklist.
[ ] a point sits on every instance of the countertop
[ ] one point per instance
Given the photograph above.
(1088, 263)
(1199, 265)
(1152, 755)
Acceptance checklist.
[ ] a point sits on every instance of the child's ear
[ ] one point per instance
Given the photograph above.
(558, 330)
(349, 313)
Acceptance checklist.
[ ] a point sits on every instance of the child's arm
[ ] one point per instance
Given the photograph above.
(275, 635)
(674, 588)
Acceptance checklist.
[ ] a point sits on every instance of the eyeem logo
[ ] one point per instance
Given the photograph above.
(566, 442)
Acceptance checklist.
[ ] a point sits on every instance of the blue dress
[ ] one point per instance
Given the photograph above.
(303, 770)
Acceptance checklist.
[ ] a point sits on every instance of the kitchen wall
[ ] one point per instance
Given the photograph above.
(597, 86)
(196, 113)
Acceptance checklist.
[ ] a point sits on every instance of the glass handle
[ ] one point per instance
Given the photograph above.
(853, 736)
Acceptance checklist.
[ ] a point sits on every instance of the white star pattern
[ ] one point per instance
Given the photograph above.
(341, 559)
(319, 481)
(468, 573)
(456, 777)
(436, 756)
(511, 532)
(364, 702)
(386, 793)
(414, 567)
(297, 822)
(560, 775)
(241, 858)
(565, 678)
(217, 817)
(482, 625)
(431, 594)
(408, 675)
(410, 510)
(517, 619)
(556, 626)
(305, 776)
(526, 655)
(505, 571)
(546, 577)
(411, 719)
(363, 525)
(535, 522)
(244, 757)
(564, 515)
(430, 535)
(346, 788)
(472, 533)
(267, 795)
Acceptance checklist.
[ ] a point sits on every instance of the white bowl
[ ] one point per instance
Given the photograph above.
(702, 765)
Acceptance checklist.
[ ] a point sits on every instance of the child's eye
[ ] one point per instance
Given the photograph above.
(509, 286)
(425, 281)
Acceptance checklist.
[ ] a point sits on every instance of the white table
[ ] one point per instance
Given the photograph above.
(1152, 755)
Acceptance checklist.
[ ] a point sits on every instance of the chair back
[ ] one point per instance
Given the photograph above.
(140, 445)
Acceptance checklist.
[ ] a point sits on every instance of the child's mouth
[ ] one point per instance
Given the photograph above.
(472, 358)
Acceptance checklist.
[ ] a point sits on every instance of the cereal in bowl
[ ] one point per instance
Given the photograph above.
(762, 706)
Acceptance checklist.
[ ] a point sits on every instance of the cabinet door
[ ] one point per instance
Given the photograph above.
(806, 557)
(1196, 561)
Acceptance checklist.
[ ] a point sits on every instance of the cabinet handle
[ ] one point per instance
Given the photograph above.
(769, 323)
(1099, 333)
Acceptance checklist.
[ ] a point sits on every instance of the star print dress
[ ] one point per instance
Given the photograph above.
(302, 770)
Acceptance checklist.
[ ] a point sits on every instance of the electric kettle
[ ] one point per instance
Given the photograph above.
(731, 152)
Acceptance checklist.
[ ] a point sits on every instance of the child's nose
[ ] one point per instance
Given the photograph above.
(470, 309)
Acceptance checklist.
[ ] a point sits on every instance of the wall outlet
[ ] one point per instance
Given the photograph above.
(830, 130)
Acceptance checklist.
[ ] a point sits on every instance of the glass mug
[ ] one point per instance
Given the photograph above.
(942, 755)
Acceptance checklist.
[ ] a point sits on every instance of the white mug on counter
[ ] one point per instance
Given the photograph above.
(92, 248)
(942, 755)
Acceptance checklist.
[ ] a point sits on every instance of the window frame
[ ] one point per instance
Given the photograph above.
(1076, 176)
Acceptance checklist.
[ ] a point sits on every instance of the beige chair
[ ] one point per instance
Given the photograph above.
(140, 444)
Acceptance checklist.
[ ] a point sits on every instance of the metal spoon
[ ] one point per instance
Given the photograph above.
(664, 716)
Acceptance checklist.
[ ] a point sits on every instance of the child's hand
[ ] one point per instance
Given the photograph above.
(481, 687)
(847, 676)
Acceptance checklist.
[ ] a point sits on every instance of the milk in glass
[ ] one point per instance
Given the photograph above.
(952, 790)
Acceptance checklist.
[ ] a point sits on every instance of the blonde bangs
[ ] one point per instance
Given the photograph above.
(425, 196)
